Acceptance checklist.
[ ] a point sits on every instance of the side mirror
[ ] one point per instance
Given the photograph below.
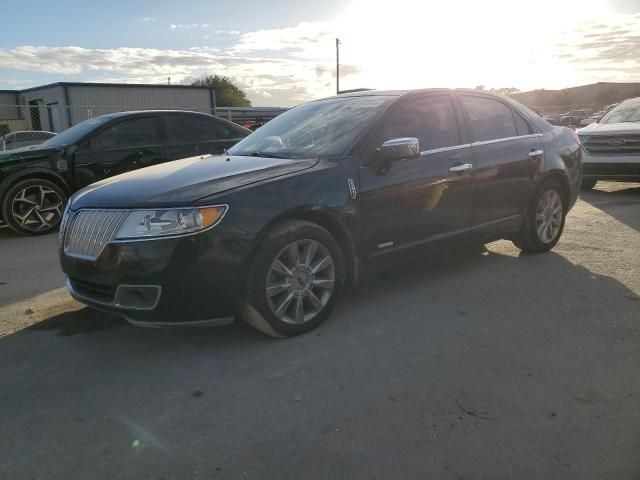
(399, 148)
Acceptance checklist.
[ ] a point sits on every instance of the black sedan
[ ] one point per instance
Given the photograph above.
(36, 181)
(275, 228)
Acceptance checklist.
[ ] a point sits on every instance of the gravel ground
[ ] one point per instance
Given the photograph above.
(481, 363)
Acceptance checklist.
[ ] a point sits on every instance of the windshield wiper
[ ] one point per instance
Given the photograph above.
(265, 155)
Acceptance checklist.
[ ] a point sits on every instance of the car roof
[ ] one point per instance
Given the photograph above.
(399, 93)
(147, 112)
(630, 100)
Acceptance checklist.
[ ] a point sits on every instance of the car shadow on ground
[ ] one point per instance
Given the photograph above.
(431, 275)
(613, 198)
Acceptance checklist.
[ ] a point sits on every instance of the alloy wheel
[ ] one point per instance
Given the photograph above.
(300, 281)
(549, 216)
(37, 208)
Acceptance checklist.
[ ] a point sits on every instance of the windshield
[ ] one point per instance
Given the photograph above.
(623, 113)
(75, 133)
(326, 128)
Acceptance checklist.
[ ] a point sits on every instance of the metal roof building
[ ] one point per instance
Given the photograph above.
(57, 106)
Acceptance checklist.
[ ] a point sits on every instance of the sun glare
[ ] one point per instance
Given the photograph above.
(460, 43)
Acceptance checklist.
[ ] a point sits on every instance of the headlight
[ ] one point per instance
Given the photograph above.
(169, 222)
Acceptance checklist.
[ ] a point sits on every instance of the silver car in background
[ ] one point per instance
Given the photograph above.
(13, 140)
(611, 146)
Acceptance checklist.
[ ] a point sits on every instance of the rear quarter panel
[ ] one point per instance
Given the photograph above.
(563, 156)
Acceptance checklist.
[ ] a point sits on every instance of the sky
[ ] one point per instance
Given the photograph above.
(282, 52)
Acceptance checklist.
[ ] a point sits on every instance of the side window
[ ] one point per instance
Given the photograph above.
(523, 126)
(430, 119)
(490, 119)
(190, 129)
(130, 133)
(229, 131)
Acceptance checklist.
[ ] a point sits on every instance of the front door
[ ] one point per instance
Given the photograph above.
(189, 135)
(120, 147)
(413, 206)
(508, 154)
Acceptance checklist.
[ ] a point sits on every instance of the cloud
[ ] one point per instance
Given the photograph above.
(345, 70)
(187, 26)
(148, 19)
(266, 79)
(303, 39)
(606, 49)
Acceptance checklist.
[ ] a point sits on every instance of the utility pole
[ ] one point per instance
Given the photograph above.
(337, 66)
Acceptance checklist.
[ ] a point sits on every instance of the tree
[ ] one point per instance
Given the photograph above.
(227, 94)
(506, 91)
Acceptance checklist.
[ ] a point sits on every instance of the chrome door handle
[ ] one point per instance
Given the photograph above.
(536, 153)
(461, 168)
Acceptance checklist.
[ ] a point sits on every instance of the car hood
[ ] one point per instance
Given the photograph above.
(627, 128)
(25, 153)
(183, 182)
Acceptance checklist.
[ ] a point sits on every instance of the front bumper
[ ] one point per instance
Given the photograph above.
(611, 167)
(178, 281)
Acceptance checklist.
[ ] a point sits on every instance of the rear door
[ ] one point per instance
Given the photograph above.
(121, 146)
(410, 206)
(508, 153)
(188, 135)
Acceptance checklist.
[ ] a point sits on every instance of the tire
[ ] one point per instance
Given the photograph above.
(588, 183)
(532, 237)
(33, 206)
(295, 299)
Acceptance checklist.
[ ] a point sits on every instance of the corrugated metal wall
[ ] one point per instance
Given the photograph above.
(50, 109)
(8, 113)
(108, 99)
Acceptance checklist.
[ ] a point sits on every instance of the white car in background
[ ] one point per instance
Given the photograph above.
(13, 140)
(592, 118)
(611, 146)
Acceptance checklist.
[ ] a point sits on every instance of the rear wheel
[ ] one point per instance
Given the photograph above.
(588, 183)
(33, 206)
(544, 222)
(295, 278)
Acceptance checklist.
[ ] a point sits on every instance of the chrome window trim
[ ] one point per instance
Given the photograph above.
(445, 149)
(506, 139)
(477, 144)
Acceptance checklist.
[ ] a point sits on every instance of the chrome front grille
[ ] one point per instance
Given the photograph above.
(612, 144)
(88, 231)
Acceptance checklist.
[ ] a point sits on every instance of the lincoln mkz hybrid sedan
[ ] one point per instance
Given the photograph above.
(275, 228)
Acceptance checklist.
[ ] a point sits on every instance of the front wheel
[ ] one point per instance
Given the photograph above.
(544, 222)
(295, 278)
(33, 206)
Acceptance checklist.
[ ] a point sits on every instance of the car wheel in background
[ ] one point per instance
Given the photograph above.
(296, 276)
(588, 183)
(544, 222)
(33, 206)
